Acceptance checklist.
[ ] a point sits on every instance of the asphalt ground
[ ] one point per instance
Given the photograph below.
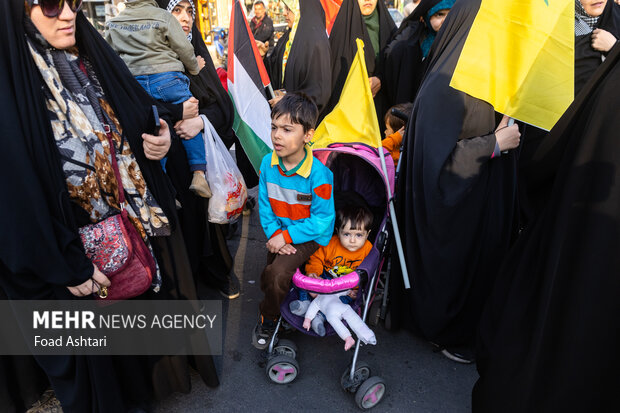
(417, 379)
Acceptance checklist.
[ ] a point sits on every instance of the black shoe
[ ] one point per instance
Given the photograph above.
(263, 331)
(231, 289)
(460, 355)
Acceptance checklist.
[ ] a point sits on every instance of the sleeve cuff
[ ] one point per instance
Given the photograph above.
(287, 237)
(275, 233)
(496, 152)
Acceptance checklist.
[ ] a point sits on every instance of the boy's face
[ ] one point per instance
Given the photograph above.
(437, 19)
(352, 239)
(288, 138)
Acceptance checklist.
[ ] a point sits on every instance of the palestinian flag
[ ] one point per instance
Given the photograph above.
(247, 80)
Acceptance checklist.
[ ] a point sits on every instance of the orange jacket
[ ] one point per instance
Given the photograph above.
(392, 144)
(334, 254)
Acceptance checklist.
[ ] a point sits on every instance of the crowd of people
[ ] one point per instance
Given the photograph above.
(510, 232)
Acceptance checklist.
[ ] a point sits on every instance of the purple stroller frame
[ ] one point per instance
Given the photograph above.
(352, 178)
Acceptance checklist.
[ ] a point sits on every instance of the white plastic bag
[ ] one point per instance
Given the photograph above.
(227, 184)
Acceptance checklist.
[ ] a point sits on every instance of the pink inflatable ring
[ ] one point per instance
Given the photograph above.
(321, 286)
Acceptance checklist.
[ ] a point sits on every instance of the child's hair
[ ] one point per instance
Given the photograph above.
(395, 122)
(359, 217)
(300, 107)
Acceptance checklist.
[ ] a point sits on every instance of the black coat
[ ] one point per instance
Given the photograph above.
(404, 66)
(456, 205)
(307, 69)
(549, 333)
(40, 250)
(263, 30)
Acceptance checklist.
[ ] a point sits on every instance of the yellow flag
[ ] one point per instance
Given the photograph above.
(354, 118)
(519, 57)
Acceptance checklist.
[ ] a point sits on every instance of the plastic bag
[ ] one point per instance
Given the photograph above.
(227, 185)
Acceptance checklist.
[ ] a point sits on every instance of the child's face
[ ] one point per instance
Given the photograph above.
(388, 128)
(352, 239)
(437, 19)
(288, 138)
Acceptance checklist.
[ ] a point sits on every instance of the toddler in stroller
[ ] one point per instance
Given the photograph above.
(344, 253)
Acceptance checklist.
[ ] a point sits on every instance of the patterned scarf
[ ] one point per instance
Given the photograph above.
(79, 116)
(584, 23)
(293, 6)
(173, 4)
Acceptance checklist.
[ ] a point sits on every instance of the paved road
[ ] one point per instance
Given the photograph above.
(418, 380)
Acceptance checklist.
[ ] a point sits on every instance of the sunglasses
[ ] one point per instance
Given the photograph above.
(52, 8)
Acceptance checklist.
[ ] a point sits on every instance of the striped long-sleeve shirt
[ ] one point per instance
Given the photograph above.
(300, 206)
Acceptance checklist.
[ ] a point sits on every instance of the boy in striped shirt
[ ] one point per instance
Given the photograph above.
(296, 205)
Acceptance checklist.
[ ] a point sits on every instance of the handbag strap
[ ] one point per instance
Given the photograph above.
(108, 132)
(117, 174)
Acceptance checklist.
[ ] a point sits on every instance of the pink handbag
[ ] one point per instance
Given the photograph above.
(117, 249)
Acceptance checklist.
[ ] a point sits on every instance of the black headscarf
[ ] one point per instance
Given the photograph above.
(587, 60)
(550, 330)
(307, 68)
(349, 26)
(40, 247)
(403, 69)
(456, 205)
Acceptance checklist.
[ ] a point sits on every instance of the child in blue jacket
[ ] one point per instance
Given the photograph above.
(296, 205)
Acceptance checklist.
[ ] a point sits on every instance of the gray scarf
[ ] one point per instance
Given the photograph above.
(584, 23)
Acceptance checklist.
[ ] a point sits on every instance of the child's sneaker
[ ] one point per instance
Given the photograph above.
(299, 307)
(318, 324)
(200, 186)
(262, 333)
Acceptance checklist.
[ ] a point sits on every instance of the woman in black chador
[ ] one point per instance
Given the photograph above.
(549, 334)
(300, 60)
(63, 87)
(456, 197)
(370, 21)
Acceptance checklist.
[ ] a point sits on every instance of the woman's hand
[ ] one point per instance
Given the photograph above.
(187, 129)
(156, 147)
(190, 108)
(602, 40)
(91, 285)
(508, 137)
(375, 85)
(201, 62)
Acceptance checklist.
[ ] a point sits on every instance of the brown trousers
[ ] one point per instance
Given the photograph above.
(275, 281)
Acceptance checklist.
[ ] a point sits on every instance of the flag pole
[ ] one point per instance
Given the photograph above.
(399, 244)
(270, 90)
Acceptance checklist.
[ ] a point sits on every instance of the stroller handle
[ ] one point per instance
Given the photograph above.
(321, 286)
(401, 115)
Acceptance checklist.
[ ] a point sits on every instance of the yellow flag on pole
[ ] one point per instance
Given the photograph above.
(519, 57)
(353, 119)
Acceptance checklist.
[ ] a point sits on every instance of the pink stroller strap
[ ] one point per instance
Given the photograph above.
(321, 286)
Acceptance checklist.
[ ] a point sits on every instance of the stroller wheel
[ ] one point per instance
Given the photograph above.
(370, 393)
(374, 314)
(362, 373)
(282, 369)
(285, 347)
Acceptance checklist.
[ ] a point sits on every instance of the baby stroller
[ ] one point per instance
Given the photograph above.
(357, 173)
